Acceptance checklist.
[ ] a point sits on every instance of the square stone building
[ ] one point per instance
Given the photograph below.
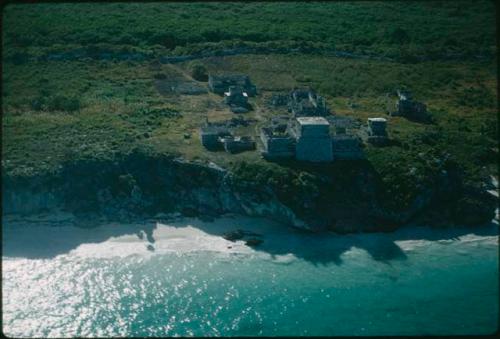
(313, 140)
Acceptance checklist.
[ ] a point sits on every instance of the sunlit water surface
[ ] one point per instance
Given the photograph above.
(373, 284)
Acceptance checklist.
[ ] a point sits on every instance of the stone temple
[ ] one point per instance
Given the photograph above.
(308, 139)
(313, 140)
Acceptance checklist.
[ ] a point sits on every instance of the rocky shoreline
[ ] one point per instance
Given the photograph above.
(143, 186)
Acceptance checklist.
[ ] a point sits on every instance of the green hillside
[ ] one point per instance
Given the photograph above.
(55, 111)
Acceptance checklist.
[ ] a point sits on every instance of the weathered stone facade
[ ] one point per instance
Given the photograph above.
(209, 136)
(279, 100)
(313, 141)
(377, 133)
(237, 144)
(407, 107)
(237, 99)
(214, 137)
(346, 147)
(377, 127)
(306, 103)
(277, 144)
(221, 83)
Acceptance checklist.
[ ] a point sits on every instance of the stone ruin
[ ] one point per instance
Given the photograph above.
(238, 121)
(408, 108)
(344, 122)
(305, 139)
(237, 99)
(237, 144)
(216, 137)
(220, 83)
(276, 139)
(346, 146)
(313, 141)
(377, 133)
(277, 100)
(306, 103)
(308, 139)
(210, 134)
(301, 102)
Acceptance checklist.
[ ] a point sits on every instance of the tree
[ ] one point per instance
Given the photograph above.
(199, 72)
(399, 36)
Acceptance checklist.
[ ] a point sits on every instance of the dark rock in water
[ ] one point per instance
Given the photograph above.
(150, 248)
(239, 234)
(254, 242)
(234, 235)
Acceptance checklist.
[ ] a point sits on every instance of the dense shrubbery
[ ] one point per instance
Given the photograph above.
(56, 103)
(198, 71)
(419, 30)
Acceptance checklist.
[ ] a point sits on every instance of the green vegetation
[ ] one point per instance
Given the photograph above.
(59, 111)
(432, 29)
(198, 71)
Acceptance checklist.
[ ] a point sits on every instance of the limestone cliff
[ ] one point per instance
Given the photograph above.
(142, 186)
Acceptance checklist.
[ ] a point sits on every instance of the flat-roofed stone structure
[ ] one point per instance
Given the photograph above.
(313, 140)
(210, 135)
(377, 127)
(277, 143)
(377, 133)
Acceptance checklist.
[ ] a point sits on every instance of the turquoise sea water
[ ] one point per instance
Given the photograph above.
(412, 282)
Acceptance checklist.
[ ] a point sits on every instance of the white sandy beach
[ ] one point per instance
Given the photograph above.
(184, 235)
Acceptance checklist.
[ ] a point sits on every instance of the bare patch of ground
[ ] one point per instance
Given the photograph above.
(179, 86)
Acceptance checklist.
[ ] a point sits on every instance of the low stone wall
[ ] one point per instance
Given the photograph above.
(314, 149)
(346, 147)
(277, 147)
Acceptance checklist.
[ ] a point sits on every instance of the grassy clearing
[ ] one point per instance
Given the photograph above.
(120, 105)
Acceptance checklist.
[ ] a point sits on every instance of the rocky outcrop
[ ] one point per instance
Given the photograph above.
(139, 185)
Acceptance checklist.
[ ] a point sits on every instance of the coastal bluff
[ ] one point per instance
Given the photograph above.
(139, 185)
